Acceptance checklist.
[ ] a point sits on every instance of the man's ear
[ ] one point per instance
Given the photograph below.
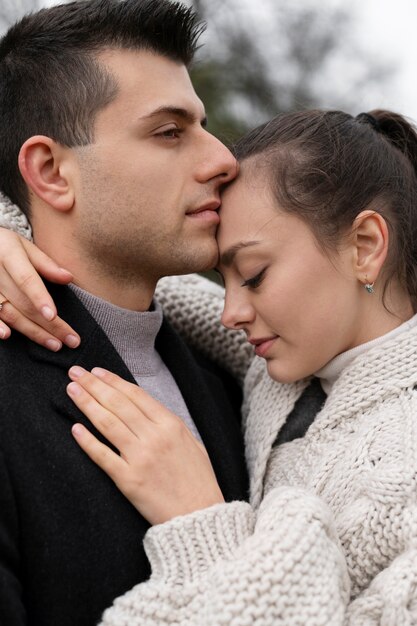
(46, 168)
(370, 240)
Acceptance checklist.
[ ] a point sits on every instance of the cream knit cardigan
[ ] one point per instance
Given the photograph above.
(330, 534)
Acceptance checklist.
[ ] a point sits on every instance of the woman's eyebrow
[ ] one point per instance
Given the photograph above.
(227, 257)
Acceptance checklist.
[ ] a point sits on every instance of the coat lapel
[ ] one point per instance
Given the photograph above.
(95, 350)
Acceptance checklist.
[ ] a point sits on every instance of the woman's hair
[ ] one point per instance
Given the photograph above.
(327, 167)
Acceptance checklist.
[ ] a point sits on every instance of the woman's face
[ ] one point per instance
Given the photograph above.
(299, 306)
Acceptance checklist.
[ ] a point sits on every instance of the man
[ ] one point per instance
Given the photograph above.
(103, 145)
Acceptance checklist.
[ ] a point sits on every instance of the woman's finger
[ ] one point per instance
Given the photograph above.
(110, 400)
(99, 453)
(115, 467)
(107, 423)
(46, 266)
(19, 280)
(51, 335)
(4, 331)
(153, 409)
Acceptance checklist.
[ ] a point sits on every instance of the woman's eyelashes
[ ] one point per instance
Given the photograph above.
(219, 276)
(255, 281)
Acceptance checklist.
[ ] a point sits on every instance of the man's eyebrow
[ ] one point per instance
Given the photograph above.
(227, 257)
(184, 114)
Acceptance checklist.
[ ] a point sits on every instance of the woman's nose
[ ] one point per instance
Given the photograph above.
(236, 313)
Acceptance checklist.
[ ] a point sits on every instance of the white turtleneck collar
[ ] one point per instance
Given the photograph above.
(332, 370)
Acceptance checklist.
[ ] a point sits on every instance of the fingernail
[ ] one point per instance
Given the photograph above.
(73, 389)
(53, 344)
(98, 371)
(4, 333)
(77, 430)
(72, 341)
(47, 313)
(61, 269)
(76, 371)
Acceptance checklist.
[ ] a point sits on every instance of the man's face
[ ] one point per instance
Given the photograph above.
(149, 185)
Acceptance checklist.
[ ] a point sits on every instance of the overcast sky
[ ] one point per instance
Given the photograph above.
(388, 28)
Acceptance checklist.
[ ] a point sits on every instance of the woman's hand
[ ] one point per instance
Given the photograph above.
(162, 469)
(27, 305)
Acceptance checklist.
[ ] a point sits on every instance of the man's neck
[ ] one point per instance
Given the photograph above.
(127, 292)
(136, 297)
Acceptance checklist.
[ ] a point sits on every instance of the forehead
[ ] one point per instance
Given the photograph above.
(147, 81)
(247, 208)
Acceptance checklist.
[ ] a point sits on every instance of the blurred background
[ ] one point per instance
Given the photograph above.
(261, 57)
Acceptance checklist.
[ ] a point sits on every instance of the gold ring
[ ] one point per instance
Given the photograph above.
(2, 304)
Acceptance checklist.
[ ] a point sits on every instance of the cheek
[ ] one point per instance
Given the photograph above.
(291, 292)
(307, 296)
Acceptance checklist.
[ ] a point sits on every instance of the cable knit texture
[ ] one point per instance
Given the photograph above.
(330, 534)
(179, 296)
(11, 217)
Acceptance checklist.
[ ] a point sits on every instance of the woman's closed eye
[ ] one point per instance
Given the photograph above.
(254, 281)
(219, 276)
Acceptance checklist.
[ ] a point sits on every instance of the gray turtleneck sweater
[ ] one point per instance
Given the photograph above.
(133, 335)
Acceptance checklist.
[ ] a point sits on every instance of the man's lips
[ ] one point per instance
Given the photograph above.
(263, 344)
(206, 212)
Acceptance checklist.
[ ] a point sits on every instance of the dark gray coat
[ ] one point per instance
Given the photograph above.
(69, 541)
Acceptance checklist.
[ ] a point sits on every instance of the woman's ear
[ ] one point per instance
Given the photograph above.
(370, 240)
(45, 167)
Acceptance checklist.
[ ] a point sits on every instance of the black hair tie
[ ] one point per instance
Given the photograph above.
(367, 118)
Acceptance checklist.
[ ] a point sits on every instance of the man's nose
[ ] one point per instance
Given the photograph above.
(218, 162)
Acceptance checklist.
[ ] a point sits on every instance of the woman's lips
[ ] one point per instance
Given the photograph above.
(263, 345)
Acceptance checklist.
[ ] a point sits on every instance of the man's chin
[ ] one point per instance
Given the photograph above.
(210, 261)
(202, 261)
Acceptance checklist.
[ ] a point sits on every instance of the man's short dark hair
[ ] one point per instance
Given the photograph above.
(51, 82)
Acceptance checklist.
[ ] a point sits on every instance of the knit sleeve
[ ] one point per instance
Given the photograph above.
(228, 566)
(12, 218)
(193, 305)
(381, 549)
(391, 598)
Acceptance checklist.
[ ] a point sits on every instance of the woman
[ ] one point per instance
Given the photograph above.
(319, 256)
